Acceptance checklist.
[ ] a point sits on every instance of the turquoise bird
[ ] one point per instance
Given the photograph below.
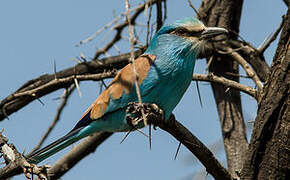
(164, 73)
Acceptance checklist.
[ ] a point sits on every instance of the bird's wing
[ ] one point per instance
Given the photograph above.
(122, 83)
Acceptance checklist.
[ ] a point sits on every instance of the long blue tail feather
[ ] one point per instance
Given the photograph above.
(56, 146)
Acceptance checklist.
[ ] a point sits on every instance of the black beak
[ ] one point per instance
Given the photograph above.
(210, 32)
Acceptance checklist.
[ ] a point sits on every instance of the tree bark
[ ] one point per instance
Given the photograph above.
(269, 149)
(227, 14)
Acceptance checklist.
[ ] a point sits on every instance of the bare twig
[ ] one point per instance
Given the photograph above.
(265, 45)
(67, 93)
(120, 27)
(159, 15)
(253, 57)
(108, 25)
(131, 37)
(226, 82)
(195, 10)
(252, 74)
(148, 25)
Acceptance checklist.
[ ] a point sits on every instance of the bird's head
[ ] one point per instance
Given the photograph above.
(185, 35)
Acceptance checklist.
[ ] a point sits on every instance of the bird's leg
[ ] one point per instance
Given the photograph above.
(134, 115)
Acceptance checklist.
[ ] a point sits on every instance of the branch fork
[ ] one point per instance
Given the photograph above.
(16, 162)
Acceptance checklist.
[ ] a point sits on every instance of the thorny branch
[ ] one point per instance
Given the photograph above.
(60, 83)
(16, 163)
(11, 104)
(155, 116)
(226, 82)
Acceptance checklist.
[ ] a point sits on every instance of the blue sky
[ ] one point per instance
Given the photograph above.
(34, 34)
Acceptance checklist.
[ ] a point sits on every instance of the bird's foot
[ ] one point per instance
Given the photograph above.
(134, 114)
(31, 169)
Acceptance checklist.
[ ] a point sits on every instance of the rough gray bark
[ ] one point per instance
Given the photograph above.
(227, 14)
(269, 150)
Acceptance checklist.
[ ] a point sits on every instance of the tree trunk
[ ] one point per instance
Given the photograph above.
(227, 14)
(269, 150)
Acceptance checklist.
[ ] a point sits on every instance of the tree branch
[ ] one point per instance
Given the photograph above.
(253, 57)
(11, 104)
(159, 15)
(68, 161)
(16, 163)
(155, 116)
(226, 82)
(252, 74)
(193, 144)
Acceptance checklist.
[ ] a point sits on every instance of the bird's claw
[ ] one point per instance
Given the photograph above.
(134, 113)
(31, 169)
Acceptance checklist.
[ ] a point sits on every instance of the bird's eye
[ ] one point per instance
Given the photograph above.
(181, 31)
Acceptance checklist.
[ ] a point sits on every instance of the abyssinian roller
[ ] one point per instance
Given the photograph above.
(164, 73)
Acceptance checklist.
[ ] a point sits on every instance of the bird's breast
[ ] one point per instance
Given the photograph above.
(173, 80)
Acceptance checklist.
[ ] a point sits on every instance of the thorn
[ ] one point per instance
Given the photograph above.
(82, 56)
(54, 69)
(107, 54)
(104, 84)
(208, 64)
(227, 89)
(117, 48)
(23, 152)
(126, 135)
(77, 60)
(40, 101)
(150, 140)
(198, 92)
(34, 95)
(141, 132)
(178, 148)
(78, 87)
